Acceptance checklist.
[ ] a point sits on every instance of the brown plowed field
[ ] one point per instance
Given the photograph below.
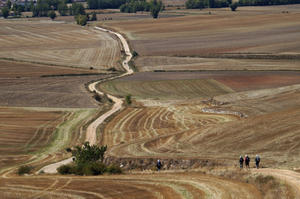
(58, 43)
(13, 69)
(236, 80)
(169, 186)
(249, 33)
(152, 63)
(24, 132)
(22, 84)
(166, 89)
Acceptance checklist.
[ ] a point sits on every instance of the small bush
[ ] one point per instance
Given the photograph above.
(97, 97)
(24, 170)
(134, 53)
(128, 99)
(114, 169)
(65, 169)
(233, 6)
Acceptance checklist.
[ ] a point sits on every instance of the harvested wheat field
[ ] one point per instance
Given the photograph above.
(24, 132)
(13, 69)
(59, 44)
(173, 186)
(251, 39)
(265, 119)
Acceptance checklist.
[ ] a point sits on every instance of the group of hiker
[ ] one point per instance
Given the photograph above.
(246, 159)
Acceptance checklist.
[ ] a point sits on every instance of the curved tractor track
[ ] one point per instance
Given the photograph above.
(91, 132)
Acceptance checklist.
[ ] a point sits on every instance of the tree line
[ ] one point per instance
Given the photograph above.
(200, 4)
(154, 6)
(267, 2)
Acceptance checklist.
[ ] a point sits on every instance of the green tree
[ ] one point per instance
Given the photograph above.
(87, 153)
(5, 12)
(128, 99)
(81, 20)
(155, 7)
(94, 17)
(8, 4)
(52, 14)
(233, 6)
(62, 9)
(211, 3)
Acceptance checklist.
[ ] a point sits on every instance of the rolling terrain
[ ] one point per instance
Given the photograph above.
(198, 123)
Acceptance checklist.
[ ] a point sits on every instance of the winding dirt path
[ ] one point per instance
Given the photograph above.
(91, 132)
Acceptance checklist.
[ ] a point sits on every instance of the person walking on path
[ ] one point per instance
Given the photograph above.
(241, 162)
(158, 165)
(257, 161)
(247, 161)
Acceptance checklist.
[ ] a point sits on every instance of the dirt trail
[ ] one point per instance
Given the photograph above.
(91, 132)
(288, 176)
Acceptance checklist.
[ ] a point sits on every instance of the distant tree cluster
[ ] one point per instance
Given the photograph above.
(104, 4)
(134, 6)
(154, 6)
(200, 4)
(267, 2)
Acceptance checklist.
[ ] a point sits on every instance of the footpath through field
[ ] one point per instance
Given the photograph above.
(91, 132)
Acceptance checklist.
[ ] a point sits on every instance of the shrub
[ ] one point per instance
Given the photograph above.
(93, 168)
(65, 169)
(114, 169)
(81, 20)
(5, 12)
(233, 6)
(134, 53)
(52, 14)
(128, 99)
(97, 97)
(24, 170)
(94, 17)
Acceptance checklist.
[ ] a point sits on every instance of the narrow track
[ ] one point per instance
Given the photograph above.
(91, 132)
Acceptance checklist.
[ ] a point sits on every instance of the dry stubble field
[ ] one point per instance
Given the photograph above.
(59, 44)
(251, 38)
(156, 128)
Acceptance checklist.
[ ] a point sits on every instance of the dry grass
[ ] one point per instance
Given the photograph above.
(24, 132)
(58, 43)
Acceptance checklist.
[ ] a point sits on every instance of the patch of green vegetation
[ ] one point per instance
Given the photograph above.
(24, 170)
(88, 160)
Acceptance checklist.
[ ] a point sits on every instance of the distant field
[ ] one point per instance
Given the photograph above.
(13, 69)
(22, 84)
(152, 63)
(166, 89)
(235, 80)
(254, 33)
(63, 92)
(58, 43)
(24, 132)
